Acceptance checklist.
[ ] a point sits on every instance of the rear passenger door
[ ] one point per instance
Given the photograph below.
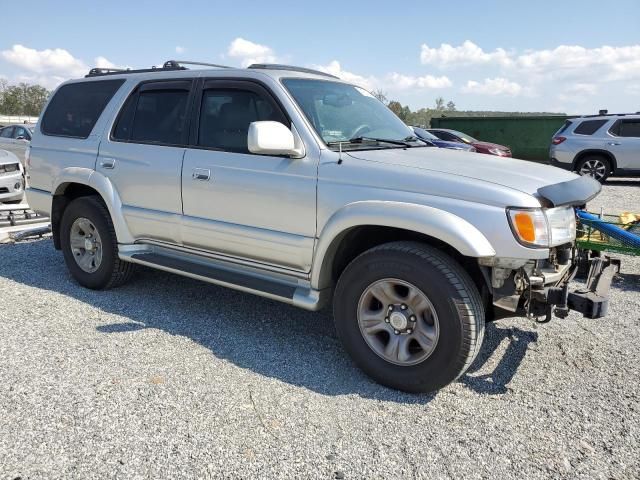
(249, 206)
(625, 143)
(143, 157)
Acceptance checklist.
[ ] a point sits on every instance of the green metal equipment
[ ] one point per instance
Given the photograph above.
(528, 137)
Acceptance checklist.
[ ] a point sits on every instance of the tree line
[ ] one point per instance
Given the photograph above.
(22, 99)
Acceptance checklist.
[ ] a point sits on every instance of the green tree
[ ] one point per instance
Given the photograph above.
(451, 107)
(439, 104)
(380, 95)
(22, 99)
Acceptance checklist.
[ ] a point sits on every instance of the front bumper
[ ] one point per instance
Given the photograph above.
(592, 300)
(11, 187)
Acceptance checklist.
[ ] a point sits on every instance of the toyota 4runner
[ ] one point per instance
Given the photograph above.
(294, 185)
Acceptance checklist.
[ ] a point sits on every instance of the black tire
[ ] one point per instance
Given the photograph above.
(595, 159)
(453, 294)
(112, 271)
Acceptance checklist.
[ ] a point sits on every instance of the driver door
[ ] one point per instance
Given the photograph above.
(252, 207)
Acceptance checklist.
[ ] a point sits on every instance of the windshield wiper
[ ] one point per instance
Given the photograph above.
(403, 143)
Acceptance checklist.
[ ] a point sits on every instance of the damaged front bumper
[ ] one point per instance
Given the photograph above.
(541, 290)
(592, 300)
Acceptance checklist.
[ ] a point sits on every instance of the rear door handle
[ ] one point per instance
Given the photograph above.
(108, 163)
(614, 143)
(203, 174)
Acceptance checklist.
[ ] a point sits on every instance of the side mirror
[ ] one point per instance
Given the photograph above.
(21, 137)
(271, 138)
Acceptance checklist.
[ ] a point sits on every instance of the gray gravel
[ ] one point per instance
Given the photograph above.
(167, 377)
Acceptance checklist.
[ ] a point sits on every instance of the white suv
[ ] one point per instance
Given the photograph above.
(297, 186)
(599, 146)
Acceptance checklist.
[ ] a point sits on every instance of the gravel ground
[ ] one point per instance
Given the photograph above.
(167, 377)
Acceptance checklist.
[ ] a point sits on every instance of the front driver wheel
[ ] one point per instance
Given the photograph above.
(409, 316)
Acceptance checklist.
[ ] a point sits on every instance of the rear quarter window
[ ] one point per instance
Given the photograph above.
(75, 108)
(589, 127)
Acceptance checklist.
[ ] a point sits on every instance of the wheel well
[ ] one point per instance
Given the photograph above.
(359, 239)
(603, 153)
(64, 195)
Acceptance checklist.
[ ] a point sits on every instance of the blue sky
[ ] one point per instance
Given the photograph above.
(571, 56)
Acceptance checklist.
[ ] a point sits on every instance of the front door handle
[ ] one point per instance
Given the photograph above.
(203, 174)
(108, 163)
(614, 143)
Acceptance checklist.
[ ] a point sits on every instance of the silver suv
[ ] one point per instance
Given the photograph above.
(294, 185)
(599, 146)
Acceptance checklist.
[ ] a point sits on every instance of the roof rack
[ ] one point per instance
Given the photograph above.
(277, 66)
(179, 63)
(609, 115)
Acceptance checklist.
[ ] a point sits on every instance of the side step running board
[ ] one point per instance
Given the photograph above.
(287, 290)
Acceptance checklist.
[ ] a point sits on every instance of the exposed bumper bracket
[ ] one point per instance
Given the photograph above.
(592, 300)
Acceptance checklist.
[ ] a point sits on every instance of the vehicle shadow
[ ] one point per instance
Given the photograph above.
(619, 182)
(262, 335)
(497, 381)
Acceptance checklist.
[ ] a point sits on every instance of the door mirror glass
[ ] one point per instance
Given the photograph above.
(271, 138)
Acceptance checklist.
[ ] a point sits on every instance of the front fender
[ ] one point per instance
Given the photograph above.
(101, 184)
(436, 223)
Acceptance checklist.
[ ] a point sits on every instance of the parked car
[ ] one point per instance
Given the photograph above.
(16, 138)
(292, 184)
(480, 146)
(11, 178)
(599, 146)
(431, 138)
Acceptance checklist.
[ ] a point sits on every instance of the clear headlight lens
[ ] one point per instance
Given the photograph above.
(536, 227)
(562, 225)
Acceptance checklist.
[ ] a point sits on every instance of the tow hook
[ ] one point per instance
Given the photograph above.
(592, 300)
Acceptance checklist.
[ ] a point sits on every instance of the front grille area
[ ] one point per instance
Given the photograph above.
(4, 190)
(9, 168)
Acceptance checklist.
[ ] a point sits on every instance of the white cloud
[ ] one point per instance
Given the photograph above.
(56, 60)
(466, 54)
(180, 49)
(493, 86)
(334, 68)
(249, 52)
(404, 82)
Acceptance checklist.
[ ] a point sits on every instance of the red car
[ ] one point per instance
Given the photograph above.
(481, 147)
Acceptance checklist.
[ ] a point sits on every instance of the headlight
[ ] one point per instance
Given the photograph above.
(536, 227)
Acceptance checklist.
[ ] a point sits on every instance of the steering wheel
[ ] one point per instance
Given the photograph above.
(360, 131)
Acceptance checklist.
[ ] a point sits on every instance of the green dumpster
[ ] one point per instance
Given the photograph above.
(528, 137)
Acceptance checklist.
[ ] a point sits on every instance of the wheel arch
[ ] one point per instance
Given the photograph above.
(80, 182)
(363, 225)
(591, 151)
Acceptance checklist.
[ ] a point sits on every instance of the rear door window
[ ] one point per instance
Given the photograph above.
(76, 107)
(155, 113)
(589, 127)
(6, 132)
(564, 127)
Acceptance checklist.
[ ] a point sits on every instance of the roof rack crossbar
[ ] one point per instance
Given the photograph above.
(178, 63)
(277, 66)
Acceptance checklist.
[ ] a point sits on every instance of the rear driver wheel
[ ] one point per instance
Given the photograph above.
(595, 166)
(90, 247)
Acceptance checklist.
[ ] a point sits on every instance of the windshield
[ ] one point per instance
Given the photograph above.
(464, 136)
(341, 112)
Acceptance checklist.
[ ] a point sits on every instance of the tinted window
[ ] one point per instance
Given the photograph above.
(445, 136)
(21, 132)
(6, 132)
(75, 108)
(225, 115)
(589, 127)
(160, 117)
(122, 130)
(629, 128)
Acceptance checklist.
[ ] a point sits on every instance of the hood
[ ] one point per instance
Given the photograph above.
(527, 177)
(490, 145)
(7, 158)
